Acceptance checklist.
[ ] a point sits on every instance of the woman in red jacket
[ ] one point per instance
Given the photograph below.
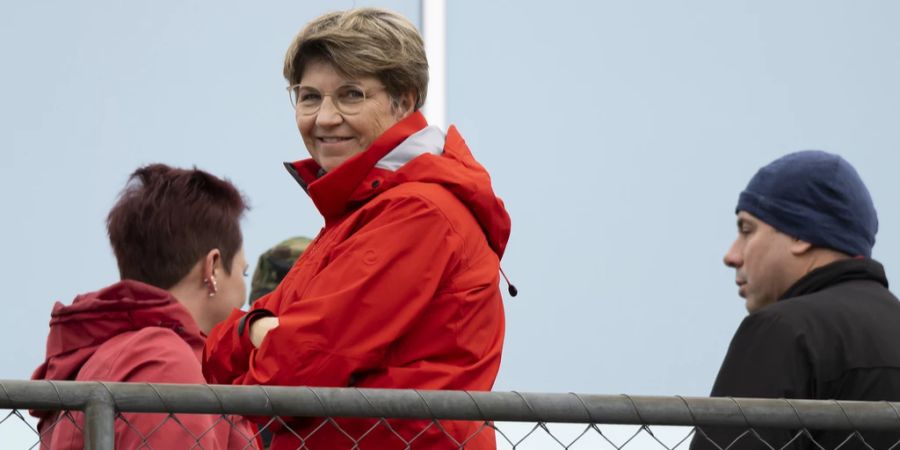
(177, 240)
(401, 287)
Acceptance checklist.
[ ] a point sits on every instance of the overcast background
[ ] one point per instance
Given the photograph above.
(618, 133)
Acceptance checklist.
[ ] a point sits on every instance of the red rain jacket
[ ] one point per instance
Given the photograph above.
(399, 290)
(135, 332)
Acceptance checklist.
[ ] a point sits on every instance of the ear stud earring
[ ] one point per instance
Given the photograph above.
(215, 286)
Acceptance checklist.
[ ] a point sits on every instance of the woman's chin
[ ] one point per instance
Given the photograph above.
(330, 163)
(330, 156)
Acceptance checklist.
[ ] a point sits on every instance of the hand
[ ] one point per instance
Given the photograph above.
(260, 328)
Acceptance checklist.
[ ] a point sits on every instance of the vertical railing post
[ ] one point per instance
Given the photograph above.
(99, 421)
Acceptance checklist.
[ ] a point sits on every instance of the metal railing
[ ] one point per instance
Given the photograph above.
(103, 404)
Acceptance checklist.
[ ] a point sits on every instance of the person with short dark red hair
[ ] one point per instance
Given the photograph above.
(177, 239)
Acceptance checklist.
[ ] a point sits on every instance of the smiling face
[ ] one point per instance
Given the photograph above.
(332, 137)
(765, 265)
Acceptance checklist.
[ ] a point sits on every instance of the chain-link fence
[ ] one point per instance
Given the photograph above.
(168, 416)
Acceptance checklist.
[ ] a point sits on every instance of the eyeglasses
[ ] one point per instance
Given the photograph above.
(348, 99)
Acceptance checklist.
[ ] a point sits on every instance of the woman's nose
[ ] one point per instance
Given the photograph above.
(328, 113)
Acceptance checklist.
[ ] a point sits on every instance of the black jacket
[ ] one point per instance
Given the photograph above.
(835, 334)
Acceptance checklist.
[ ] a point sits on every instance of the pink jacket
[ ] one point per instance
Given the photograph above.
(132, 332)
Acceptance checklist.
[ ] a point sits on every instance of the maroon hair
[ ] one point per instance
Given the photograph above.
(167, 219)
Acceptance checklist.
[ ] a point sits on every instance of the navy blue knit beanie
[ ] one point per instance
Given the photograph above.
(816, 197)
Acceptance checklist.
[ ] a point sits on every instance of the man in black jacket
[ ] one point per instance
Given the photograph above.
(822, 323)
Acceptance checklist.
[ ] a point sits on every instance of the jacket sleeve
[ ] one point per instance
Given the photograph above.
(160, 356)
(226, 354)
(767, 358)
(375, 284)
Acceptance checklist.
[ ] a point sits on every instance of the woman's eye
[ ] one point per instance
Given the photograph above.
(352, 94)
(308, 97)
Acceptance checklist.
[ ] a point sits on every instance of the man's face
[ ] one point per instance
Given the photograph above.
(763, 262)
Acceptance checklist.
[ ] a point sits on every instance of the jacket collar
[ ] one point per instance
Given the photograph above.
(333, 192)
(836, 273)
(79, 329)
(408, 152)
(427, 140)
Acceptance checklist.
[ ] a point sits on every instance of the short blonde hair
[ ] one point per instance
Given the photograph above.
(364, 42)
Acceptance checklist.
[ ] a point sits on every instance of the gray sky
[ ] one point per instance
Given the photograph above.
(618, 133)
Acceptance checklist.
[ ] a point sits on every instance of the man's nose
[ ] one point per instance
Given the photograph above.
(733, 257)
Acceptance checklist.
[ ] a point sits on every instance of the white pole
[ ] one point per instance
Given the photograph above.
(434, 30)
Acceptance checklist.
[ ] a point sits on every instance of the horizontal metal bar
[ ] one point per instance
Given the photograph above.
(460, 405)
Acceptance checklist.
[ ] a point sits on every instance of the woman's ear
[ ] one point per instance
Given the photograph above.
(404, 105)
(211, 262)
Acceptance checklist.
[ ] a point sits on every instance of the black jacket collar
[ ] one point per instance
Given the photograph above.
(835, 273)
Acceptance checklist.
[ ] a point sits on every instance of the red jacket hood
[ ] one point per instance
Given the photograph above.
(339, 192)
(78, 330)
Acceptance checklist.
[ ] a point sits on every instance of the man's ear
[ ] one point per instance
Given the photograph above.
(800, 247)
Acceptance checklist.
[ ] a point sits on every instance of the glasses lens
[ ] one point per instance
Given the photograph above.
(350, 99)
(306, 100)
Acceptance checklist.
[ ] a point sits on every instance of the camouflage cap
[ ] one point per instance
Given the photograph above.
(274, 265)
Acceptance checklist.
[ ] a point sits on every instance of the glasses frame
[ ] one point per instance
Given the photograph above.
(366, 96)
